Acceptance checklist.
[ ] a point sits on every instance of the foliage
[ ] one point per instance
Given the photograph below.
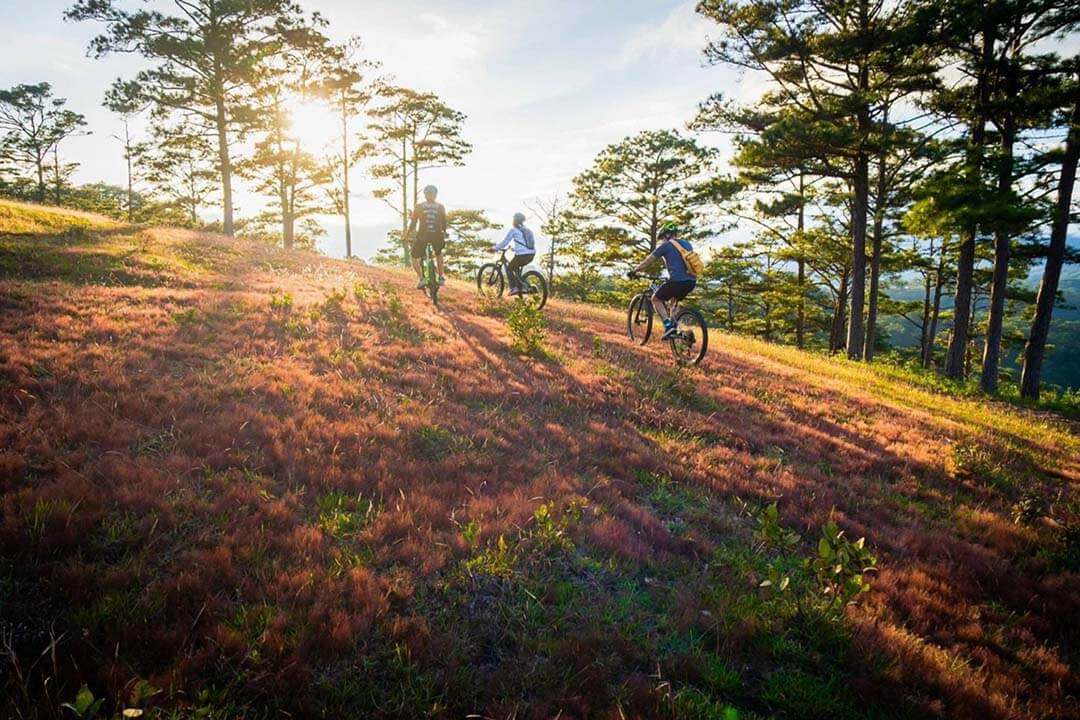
(467, 249)
(33, 123)
(637, 184)
(527, 329)
(837, 569)
(411, 132)
(203, 60)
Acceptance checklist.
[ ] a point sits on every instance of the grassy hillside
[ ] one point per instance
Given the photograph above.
(236, 482)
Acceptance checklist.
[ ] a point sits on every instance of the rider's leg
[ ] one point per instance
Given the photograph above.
(661, 308)
(439, 265)
(513, 270)
(419, 270)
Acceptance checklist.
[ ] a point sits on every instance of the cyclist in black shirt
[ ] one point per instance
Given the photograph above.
(431, 218)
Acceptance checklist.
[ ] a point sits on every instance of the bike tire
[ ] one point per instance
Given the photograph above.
(489, 281)
(692, 340)
(433, 283)
(639, 320)
(538, 294)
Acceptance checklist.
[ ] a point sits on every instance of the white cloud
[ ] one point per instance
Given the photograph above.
(683, 31)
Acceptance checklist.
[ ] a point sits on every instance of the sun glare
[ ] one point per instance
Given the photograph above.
(314, 123)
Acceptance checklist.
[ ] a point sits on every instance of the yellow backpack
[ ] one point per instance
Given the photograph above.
(694, 263)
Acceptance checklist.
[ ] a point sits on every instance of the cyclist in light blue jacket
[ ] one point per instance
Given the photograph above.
(524, 247)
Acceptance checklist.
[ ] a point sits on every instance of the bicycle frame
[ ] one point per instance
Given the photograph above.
(504, 266)
(655, 281)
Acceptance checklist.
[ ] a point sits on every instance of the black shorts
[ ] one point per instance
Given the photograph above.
(422, 241)
(672, 290)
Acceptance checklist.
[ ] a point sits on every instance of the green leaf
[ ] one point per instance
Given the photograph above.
(824, 549)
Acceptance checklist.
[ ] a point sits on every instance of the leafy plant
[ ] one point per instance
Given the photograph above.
(840, 567)
(281, 304)
(837, 570)
(85, 706)
(527, 329)
(471, 534)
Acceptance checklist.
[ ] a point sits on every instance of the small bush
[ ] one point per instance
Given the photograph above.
(281, 304)
(527, 329)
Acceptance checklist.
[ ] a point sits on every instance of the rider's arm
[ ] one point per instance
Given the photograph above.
(412, 222)
(649, 260)
(442, 222)
(507, 240)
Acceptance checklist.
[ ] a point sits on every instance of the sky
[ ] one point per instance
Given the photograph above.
(546, 84)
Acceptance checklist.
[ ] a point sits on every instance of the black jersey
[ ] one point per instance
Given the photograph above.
(431, 218)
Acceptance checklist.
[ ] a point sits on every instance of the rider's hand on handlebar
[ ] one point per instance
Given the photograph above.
(631, 275)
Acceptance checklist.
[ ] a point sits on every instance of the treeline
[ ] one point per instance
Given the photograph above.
(221, 86)
(892, 143)
(915, 146)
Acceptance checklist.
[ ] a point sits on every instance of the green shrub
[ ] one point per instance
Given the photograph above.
(527, 329)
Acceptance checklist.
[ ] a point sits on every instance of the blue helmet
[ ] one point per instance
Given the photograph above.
(431, 190)
(519, 218)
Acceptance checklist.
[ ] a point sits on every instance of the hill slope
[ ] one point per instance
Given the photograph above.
(237, 480)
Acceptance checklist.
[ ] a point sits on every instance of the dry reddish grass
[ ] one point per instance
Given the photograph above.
(171, 446)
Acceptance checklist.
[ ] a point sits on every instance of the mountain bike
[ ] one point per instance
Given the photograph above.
(492, 279)
(431, 277)
(691, 338)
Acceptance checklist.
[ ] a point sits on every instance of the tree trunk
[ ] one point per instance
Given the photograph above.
(225, 164)
(861, 187)
(836, 333)
(40, 162)
(800, 309)
(875, 262)
(1002, 251)
(954, 359)
(287, 226)
(1035, 350)
(924, 326)
(56, 175)
(345, 178)
(127, 157)
(551, 266)
(731, 310)
(935, 315)
(405, 203)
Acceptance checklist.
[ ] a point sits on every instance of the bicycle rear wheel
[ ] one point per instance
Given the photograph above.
(433, 282)
(536, 290)
(639, 320)
(689, 344)
(489, 281)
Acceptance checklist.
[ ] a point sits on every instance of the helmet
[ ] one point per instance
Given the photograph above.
(519, 218)
(668, 229)
(431, 190)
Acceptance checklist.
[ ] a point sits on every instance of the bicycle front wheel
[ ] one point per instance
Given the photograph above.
(489, 281)
(639, 320)
(535, 289)
(691, 339)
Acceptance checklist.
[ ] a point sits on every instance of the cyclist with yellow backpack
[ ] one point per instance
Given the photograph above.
(683, 266)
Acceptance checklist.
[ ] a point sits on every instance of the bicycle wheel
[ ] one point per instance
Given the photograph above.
(536, 289)
(489, 281)
(639, 320)
(433, 282)
(692, 339)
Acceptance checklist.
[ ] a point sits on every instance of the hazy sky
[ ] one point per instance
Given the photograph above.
(546, 84)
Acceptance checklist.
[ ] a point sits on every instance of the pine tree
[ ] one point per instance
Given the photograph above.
(34, 123)
(831, 66)
(204, 59)
(637, 184)
(412, 132)
(347, 90)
